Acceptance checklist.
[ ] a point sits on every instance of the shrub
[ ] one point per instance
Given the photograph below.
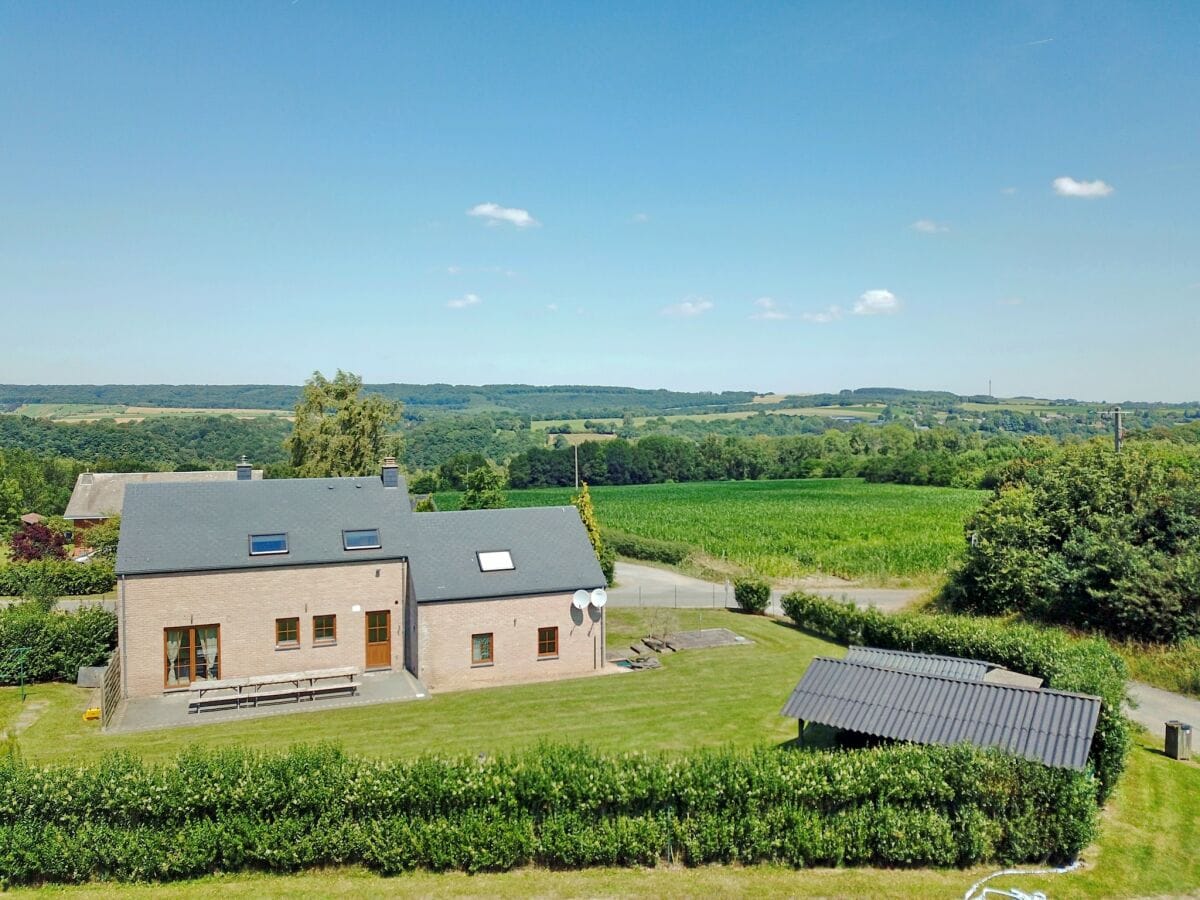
(752, 594)
(57, 643)
(635, 546)
(1087, 666)
(59, 577)
(36, 541)
(235, 809)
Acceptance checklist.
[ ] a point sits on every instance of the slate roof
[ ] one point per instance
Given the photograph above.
(198, 526)
(98, 495)
(927, 663)
(550, 550)
(1047, 726)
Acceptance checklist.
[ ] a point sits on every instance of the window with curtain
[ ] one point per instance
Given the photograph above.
(481, 649)
(191, 653)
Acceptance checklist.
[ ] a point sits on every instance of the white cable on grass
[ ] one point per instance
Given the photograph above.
(1015, 893)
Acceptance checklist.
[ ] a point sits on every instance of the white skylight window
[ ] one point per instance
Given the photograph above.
(495, 561)
(267, 544)
(361, 539)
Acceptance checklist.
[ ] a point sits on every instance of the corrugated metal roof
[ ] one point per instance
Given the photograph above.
(924, 663)
(1047, 726)
(98, 495)
(549, 546)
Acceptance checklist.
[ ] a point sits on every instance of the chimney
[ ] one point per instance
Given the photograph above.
(390, 474)
(244, 470)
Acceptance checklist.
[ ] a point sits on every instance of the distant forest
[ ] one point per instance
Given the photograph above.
(537, 402)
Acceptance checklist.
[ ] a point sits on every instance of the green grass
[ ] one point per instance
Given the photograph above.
(786, 529)
(1172, 667)
(1146, 849)
(723, 696)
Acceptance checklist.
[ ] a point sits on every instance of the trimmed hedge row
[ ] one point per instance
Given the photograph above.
(58, 643)
(557, 806)
(635, 546)
(57, 577)
(752, 594)
(1086, 666)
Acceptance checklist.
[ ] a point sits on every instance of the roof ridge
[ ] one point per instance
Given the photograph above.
(994, 684)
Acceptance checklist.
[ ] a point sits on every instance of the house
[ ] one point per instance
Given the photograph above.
(257, 577)
(928, 699)
(100, 495)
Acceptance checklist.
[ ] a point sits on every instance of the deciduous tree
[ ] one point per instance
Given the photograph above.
(484, 489)
(339, 430)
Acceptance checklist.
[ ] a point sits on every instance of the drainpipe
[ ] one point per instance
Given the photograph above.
(121, 638)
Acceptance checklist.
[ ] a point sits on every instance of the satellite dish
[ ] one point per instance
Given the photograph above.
(599, 598)
(580, 599)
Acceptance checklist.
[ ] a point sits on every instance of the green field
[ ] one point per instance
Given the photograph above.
(787, 529)
(91, 412)
(865, 411)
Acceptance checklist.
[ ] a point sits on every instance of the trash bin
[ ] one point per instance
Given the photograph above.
(1178, 743)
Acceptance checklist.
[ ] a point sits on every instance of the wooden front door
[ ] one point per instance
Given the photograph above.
(379, 639)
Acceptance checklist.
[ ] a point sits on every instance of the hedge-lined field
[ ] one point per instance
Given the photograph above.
(556, 806)
(780, 529)
(1085, 666)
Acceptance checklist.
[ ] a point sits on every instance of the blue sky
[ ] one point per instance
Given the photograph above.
(697, 196)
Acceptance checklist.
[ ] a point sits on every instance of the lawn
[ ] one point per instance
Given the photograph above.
(729, 695)
(785, 529)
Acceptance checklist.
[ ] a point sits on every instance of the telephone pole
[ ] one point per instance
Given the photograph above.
(1116, 411)
(576, 467)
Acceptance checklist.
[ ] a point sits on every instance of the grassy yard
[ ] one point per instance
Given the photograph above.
(729, 695)
(784, 529)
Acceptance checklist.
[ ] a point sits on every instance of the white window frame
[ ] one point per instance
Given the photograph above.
(495, 560)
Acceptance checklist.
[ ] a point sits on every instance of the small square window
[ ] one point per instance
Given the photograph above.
(266, 544)
(494, 560)
(481, 649)
(324, 629)
(548, 641)
(361, 539)
(287, 632)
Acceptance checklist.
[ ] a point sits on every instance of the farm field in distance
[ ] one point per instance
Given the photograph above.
(92, 412)
(788, 529)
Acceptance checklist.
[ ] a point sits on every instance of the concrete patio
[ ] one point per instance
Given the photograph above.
(171, 710)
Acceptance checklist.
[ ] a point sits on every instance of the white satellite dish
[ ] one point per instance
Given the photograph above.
(599, 598)
(580, 599)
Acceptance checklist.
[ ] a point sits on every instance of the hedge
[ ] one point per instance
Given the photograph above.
(752, 594)
(1085, 666)
(60, 577)
(635, 546)
(232, 809)
(58, 643)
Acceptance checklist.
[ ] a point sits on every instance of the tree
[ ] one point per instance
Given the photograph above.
(587, 514)
(339, 430)
(102, 538)
(452, 474)
(484, 489)
(36, 541)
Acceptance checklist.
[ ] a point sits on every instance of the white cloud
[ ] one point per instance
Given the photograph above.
(639, 218)
(1008, 191)
(1048, 40)
(824, 317)
(453, 270)
(464, 301)
(1011, 301)
(1069, 187)
(553, 307)
(876, 302)
(689, 308)
(767, 310)
(494, 213)
(928, 226)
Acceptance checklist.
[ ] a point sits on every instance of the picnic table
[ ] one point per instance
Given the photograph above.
(253, 689)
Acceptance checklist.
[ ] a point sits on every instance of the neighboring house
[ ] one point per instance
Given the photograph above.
(257, 577)
(100, 495)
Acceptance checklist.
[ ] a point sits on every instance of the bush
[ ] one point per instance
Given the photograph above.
(60, 578)
(635, 546)
(234, 809)
(57, 643)
(1086, 666)
(752, 594)
(608, 563)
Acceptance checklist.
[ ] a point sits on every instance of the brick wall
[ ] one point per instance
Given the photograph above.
(245, 604)
(445, 629)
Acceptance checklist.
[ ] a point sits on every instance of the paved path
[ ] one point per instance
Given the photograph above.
(1156, 707)
(640, 585)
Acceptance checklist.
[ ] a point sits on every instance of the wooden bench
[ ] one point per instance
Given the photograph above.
(250, 689)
